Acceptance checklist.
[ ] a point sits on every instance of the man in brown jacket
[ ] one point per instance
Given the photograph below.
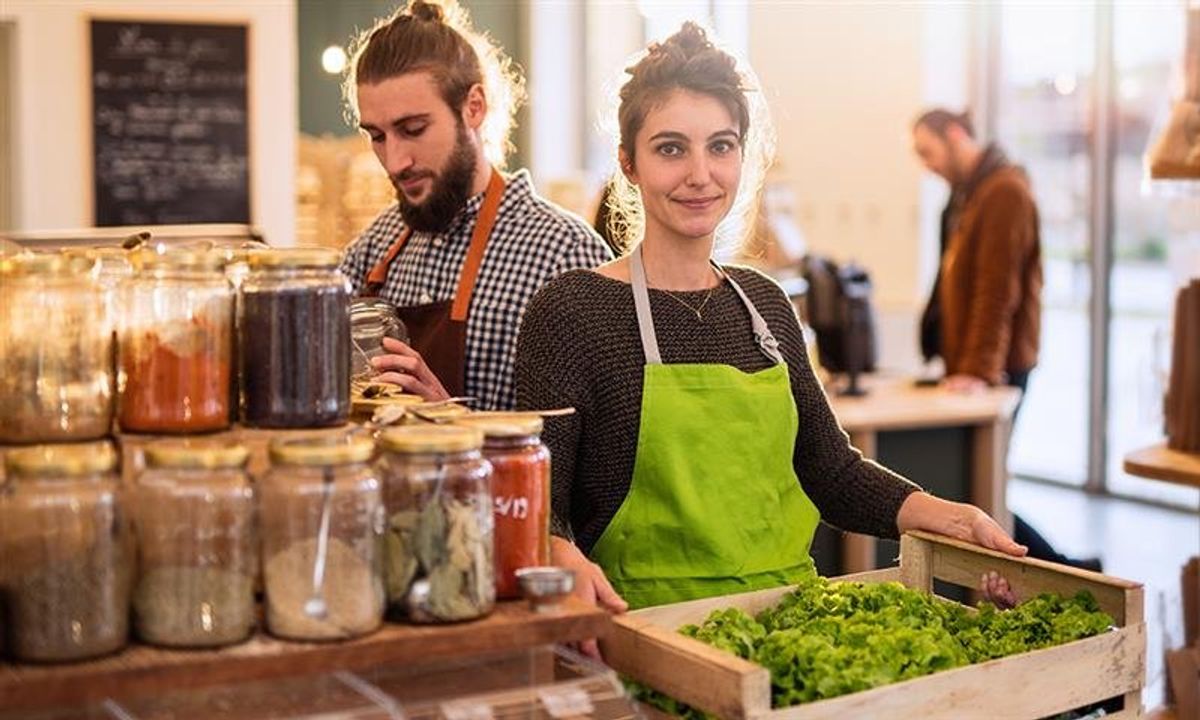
(984, 314)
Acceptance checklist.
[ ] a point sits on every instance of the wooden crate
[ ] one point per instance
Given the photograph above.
(646, 646)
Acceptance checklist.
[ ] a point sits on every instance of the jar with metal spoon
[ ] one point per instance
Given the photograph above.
(322, 521)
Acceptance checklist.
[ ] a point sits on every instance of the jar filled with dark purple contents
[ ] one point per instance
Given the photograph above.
(294, 344)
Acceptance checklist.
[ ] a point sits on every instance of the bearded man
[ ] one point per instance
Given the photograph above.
(465, 246)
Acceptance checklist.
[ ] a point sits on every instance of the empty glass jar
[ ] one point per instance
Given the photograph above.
(176, 344)
(371, 320)
(294, 340)
(322, 520)
(194, 523)
(439, 558)
(56, 350)
(67, 553)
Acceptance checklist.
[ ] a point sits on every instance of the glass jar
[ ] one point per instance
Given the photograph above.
(322, 519)
(520, 494)
(439, 558)
(295, 339)
(193, 520)
(371, 320)
(56, 378)
(176, 344)
(67, 553)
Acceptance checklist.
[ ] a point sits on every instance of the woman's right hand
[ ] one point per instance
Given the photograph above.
(590, 584)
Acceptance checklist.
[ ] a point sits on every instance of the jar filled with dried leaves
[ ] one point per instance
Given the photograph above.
(194, 523)
(439, 562)
(67, 553)
(322, 520)
(56, 350)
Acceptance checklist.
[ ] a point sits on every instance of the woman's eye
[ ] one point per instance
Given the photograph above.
(376, 138)
(721, 147)
(670, 150)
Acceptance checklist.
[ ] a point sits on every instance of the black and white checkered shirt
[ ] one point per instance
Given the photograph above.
(532, 241)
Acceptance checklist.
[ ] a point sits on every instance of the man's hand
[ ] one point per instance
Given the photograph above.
(922, 511)
(590, 584)
(404, 366)
(965, 384)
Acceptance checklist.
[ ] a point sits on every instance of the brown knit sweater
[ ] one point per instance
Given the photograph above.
(579, 346)
(991, 281)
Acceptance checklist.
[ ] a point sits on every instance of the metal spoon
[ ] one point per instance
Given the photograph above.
(315, 606)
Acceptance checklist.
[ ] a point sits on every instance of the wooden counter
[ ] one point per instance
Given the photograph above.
(1158, 462)
(897, 403)
(142, 670)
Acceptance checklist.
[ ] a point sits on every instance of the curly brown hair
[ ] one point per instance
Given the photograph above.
(690, 61)
(438, 38)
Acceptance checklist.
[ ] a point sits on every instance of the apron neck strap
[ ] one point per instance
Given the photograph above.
(767, 344)
(484, 223)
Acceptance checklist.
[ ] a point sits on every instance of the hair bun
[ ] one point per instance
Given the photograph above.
(427, 11)
(691, 38)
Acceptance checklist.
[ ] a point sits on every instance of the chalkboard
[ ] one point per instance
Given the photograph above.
(170, 123)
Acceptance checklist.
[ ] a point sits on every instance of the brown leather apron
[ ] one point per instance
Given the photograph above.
(438, 330)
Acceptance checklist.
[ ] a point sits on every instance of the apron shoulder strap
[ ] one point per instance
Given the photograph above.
(377, 277)
(763, 336)
(641, 301)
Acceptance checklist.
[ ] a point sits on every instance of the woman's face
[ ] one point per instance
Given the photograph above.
(688, 162)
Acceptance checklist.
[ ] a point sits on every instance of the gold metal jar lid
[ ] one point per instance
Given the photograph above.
(431, 439)
(200, 455)
(289, 258)
(503, 424)
(46, 264)
(69, 460)
(178, 259)
(322, 450)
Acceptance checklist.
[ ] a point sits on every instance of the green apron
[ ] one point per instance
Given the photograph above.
(714, 506)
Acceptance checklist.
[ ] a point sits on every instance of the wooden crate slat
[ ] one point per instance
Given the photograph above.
(963, 564)
(1030, 685)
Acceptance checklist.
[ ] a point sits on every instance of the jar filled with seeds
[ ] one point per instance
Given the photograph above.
(194, 523)
(56, 350)
(439, 556)
(67, 553)
(294, 344)
(322, 520)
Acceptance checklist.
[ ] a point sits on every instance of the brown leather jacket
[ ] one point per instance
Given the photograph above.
(991, 281)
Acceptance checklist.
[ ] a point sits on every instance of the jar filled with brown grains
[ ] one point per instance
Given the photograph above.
(520, 493)
(176, 344)
(194, 522)
(439, 548)
(67, 553)
(322, 521)
(56, 350)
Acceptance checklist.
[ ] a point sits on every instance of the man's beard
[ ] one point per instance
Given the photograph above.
(449, 192)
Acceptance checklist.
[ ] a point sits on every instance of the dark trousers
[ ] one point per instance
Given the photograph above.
(1023, 532)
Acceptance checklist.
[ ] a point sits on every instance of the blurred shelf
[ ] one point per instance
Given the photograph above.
(142, 670)
(1158, 462)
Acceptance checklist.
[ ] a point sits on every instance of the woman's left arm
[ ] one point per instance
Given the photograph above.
(922, 511)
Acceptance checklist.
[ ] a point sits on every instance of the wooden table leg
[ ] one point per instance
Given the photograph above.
(989, 471)
(858, 551)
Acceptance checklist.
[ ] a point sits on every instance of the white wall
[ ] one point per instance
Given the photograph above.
(844, 82)
(53, 110)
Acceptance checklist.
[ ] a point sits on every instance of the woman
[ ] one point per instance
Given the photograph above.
(704, 451)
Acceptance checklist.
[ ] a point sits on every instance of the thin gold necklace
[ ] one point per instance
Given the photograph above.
(696, 309)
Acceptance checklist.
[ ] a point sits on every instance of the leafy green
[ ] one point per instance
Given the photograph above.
(826, 639)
